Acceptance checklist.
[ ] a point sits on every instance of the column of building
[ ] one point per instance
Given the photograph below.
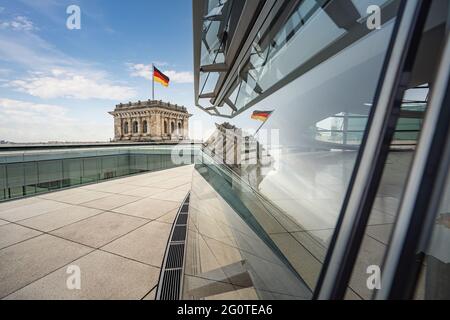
(155, 126)
(185, 127)
(117, 127)
(129, 122)
(172, 126)
(148, 119)
(141, 124)
(163, 127)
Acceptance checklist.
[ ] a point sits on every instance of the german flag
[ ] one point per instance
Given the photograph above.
(261, 115)
(160, 77)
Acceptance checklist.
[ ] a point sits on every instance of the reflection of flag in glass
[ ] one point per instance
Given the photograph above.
(160, 77)
(261, 115)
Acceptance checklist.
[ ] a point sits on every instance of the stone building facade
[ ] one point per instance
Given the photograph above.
(150, 120)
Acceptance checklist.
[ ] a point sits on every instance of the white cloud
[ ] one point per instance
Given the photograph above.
(63, 83)
(145, 71)
(67, 78)
(141, 70)
(19, 23)
(180, 77)
(24, 121)
(30, 111)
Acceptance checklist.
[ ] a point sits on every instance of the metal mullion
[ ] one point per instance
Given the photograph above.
(248, 15)
(261, 21)
(364, 183)
(197, 9)
(331, 50)
(420, 203)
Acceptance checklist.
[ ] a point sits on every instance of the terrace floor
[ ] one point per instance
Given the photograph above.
(115, 232)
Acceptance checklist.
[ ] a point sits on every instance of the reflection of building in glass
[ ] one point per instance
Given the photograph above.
(150, 121)
(241, 152)
(348, 140)
(346, 130)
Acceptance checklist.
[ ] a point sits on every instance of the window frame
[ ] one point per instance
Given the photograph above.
(355, 212)
(425, 187)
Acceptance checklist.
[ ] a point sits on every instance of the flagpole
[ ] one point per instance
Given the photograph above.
(259, 128)
(153, 82)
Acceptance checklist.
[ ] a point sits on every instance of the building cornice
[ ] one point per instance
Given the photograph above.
(150, 104)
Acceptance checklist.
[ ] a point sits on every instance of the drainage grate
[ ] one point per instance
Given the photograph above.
(171, 277)
(170, 287)
(182, 219)
(175, 256)
(179, 233)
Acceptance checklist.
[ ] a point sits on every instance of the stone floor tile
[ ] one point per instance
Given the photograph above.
(146, 244)
(25, 262)
(148, 208)
(141, 191)
(59, 218)
(12, 233)
(99, 230)
(103, 276)
(31, 210)
(110, 202)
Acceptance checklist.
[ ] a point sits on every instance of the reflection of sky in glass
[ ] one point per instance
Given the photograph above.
(310, 182)
(285, 54)
(324, 91)
(287, 51)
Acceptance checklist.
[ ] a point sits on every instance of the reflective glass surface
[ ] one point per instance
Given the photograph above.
(229, 255)
(396, 170)
(289, 178)
(214, 26)
(434, 283)
(311, 29)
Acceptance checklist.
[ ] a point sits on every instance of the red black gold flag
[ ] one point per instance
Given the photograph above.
(160, 77)
(261, 115)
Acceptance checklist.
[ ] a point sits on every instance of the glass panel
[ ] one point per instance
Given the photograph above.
(309, 30)
(208, 82)
(226, 257)
(108, 167)
(31, 178)
(138, 163)
(50, 174)
(72, 172)
(16, 180)
(396, 169)
(47, 170)
(286, 183)
(435, 281)
(90, 170)
(362, 5)
(123, 165)
(215, 28)
(2, 182)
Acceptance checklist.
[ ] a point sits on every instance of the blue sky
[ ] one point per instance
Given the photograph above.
(59, 84)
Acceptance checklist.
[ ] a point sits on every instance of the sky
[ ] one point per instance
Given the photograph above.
(58, 84)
